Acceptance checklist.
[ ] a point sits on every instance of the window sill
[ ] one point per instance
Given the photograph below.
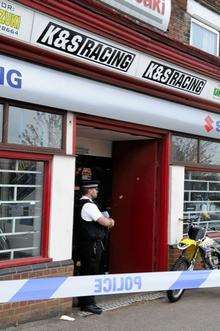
(23, 262)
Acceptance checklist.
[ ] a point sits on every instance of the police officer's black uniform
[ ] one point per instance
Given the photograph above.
(91, 235)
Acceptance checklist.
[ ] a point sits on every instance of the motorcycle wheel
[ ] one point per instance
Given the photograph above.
(180, 264)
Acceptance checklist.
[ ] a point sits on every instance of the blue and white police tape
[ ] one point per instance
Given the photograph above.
(65, 287)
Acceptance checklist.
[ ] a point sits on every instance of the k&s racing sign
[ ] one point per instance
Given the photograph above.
(85, 47)
(46, 32)
(175, 78)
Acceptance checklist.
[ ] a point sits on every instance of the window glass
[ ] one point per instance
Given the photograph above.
(202, 194)
(209, 152)
(29, 127)
(184, 149)
(21, 191)
(204, 39)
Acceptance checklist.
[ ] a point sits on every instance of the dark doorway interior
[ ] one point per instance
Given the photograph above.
(94, 168)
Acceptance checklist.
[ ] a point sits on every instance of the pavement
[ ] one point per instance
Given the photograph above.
(197, 310)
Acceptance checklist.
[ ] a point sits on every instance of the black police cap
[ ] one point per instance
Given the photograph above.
(89, 184)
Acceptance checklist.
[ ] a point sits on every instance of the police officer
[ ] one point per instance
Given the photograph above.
(91, 234)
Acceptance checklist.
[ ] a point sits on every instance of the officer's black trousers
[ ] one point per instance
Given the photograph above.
(90, 256)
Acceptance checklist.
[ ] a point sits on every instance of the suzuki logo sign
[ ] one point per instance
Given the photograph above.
(154, 12)
(210, 124)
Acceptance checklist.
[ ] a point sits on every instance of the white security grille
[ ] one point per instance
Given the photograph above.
(21, 189)
(202, 194)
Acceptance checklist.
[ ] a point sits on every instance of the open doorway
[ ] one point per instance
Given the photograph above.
(89, 167)
(127, 167)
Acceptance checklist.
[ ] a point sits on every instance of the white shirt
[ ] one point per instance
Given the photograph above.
(90, 212)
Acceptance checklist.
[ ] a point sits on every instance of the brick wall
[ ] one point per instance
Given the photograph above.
(173, 254)
(16, 313)
(179, 26)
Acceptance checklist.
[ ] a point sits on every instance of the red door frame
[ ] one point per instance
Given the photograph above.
(161, 245)
(47, 159)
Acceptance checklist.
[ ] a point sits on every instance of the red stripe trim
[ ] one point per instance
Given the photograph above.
(162, 253)
(74, 134)
(25, 156)
(24, 261)
(45, 206)
(103, 123)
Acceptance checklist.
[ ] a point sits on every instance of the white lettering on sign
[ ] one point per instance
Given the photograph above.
(154, 12)
(156, 5)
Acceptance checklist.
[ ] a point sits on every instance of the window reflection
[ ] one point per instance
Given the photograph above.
(184, 149)
(209, 152)
(34, 128)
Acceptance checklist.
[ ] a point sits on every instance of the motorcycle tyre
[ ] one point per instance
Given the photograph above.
(176, 267)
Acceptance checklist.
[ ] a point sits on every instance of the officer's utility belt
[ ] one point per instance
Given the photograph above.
(92, 241)
(95, 245)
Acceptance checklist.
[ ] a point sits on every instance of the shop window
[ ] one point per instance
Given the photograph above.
(204, 37)
(21, 193)
(184, 149)
(209, 152)
(202, 194)
(34, 128)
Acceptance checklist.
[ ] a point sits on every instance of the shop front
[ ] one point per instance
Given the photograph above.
(68, 123)
(75, 105)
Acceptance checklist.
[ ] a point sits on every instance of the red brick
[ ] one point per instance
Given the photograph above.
(20, 312)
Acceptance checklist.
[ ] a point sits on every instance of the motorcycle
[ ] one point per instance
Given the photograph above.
(196, 245)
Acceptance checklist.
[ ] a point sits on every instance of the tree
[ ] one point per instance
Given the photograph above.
(44, 130)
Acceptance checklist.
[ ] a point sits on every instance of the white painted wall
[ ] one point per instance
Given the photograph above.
(95, 147)
(175, 230)
(69, 133)
(62, 204)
